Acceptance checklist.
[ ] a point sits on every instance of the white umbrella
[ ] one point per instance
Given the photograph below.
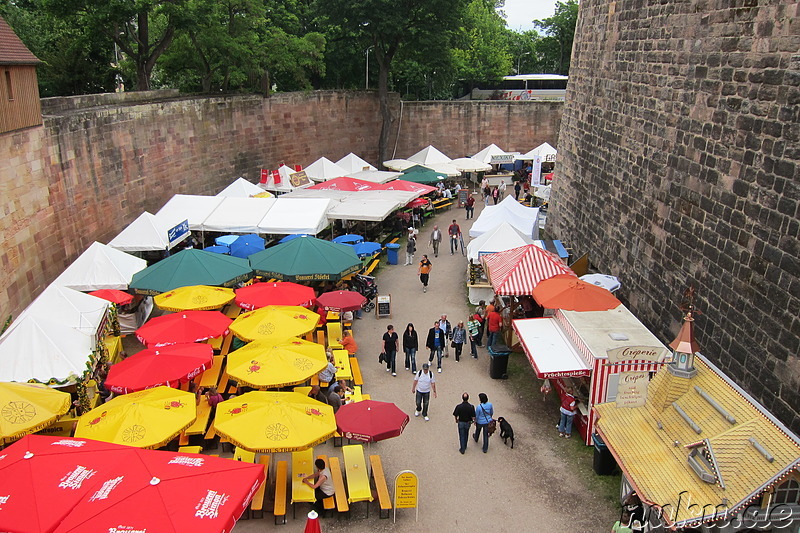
(469, 164)
(399, 164)
(603, 280)
(445, 168)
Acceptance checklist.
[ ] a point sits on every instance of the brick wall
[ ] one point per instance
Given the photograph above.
(99, 161)
(679, 163)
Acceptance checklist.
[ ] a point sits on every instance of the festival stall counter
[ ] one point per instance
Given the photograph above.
(595, 353)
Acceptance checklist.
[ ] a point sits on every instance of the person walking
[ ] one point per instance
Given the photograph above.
(517, 189)
(411, 247)
(502, 189)
(459, 338)
(435, 343)
(390, 346)
(425, 272)
(469, 205)
(447, 329)
(568, 409)
(424, 383)
(473, 329)
(495, 195)
(464, 414)
(494, 323)
(483, 415)
(436, 240)
(322, 483)
(410, 347)
(454, 231)
(480, 316)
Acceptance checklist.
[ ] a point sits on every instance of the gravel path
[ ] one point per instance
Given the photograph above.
(544, 484)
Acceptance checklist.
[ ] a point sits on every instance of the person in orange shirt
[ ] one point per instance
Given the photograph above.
(424, 272)
(348, 343)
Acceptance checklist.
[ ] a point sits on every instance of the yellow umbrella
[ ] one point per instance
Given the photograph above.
(275, 422)
(267, 364)
(29, 407)
(194, 298)
(146, 419)
(274, 322)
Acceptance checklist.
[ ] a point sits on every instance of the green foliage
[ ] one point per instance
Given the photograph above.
(480, 52)
(560, 32)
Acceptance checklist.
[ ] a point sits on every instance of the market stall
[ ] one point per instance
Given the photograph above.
(525, 219)
(588, 352)
(100, 267)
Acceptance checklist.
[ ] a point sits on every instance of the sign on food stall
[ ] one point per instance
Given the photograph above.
(637, 353)
(632, 389)
(177, 233)
(499, 159)
(298, 179)
(406, 492)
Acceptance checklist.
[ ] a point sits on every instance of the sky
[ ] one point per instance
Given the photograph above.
(521, 13)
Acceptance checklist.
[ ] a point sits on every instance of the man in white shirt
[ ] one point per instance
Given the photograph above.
(322, 483)
(424, 382)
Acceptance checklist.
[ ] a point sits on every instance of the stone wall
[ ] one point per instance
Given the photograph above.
(679, 163)
(100, 160)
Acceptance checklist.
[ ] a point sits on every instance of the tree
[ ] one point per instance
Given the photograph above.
(560, 32)
(388, 26)
(481, 52)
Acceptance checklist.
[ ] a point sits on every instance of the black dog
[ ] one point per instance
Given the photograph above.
(506, 431)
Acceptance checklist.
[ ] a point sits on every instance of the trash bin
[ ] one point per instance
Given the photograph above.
(498, 361)
(604, 463)
(392, 252)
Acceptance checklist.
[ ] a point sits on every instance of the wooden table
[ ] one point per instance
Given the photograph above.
(302, 466)
(198, 427)
(342, 363)
(209, 377)
(357, 475)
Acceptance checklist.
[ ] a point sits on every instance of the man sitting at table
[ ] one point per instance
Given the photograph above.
(322, 484)
(336, 399)
(348, 343)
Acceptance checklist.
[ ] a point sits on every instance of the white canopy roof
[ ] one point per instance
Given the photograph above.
(284, 185)
(324, 169)
(549, 351)
(295, 215)
(429, 155)
(146, 233)
(470, 164)
(486, 154)
(502, 237)
(193, 208)
(352, 163)
(399, 164)
(525, 219)
(239, 215)
(69, 308)
(544, 150)
(375, 176)
(43, 349)
(101, 267)
(372, 206)
(241, 188)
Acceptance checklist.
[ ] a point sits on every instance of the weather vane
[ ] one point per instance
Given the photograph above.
(688, 303)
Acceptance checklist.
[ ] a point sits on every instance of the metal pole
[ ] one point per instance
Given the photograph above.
(366, 74)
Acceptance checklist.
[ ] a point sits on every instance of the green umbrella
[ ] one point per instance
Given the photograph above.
(306, 259)
(420, 174)
(191, 267)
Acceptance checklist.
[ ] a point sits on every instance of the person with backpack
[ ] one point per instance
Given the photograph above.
(483, 415)
(424, 383)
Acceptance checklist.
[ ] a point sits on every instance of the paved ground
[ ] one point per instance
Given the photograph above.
(545, 484)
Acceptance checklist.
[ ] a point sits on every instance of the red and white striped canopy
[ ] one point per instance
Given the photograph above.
(518, 270)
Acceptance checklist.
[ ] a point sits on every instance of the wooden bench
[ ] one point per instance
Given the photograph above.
(190, 449)
(281, 481)
(257, 504)
(329, 503)
(368, 271)
(356, 371)
(338, 483)
(443, 203)
(380, 485)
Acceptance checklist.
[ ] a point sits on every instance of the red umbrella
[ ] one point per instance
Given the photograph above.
(183, 327)
(417, 202)
(62, 484)
(572, 294)
(312, 524)
(114, 296)
(170, 366)
(260, 295)
(340, 301)
(370, 420)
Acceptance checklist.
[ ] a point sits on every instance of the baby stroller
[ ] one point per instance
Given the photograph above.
(366, 286)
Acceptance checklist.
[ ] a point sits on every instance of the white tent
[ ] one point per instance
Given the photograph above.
(296, 215)
(525, 219)
(101, 267)
(45, 350)
(324, 169)
(352, 163)
(284, 185)
(189, 207)
(239, 215)
(69, 308)
(469, 164)
(146, 233)
(487, 153)
(375, 176)
(502, 237)
(547, 153)
(241, 188)
(429, 155)
(371, 206)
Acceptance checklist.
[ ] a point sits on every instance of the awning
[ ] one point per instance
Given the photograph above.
(517, 271)
(550, 352)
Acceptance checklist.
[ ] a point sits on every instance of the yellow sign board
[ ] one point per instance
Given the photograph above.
(406, 491)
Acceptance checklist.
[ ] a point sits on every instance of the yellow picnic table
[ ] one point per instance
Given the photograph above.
(302, 466)
(198, 427)
(209, 377)
(357, 474)
(332, 316)
(343, 365)
(216, 342)
(354, 396)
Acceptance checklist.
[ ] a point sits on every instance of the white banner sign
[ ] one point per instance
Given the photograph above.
(536, 172)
